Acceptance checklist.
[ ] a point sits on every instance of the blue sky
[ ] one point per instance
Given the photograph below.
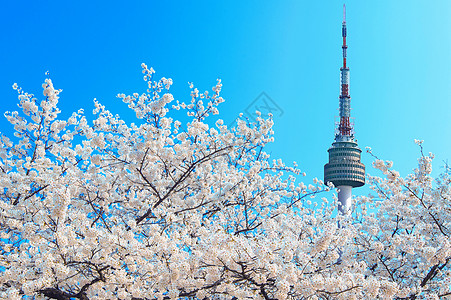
(399, 55)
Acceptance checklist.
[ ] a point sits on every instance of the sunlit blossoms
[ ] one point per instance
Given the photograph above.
(405, 231)
(182, 206)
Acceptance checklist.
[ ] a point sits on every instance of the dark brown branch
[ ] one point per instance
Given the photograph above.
(185, 175)
(432, 272)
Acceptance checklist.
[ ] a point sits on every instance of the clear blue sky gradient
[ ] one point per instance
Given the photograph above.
(399, 55)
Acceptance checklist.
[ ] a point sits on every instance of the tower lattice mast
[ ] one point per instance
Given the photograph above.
(344, 127)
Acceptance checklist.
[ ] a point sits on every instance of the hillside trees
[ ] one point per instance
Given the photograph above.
(162, 209)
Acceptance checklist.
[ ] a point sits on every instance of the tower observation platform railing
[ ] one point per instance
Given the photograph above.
(345, 167)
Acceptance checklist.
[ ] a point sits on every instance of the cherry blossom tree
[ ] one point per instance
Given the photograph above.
(406, 244)
(165, 209)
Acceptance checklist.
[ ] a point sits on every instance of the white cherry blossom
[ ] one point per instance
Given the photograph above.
(193, 209)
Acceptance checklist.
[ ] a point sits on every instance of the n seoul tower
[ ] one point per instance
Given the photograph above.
(344, 169)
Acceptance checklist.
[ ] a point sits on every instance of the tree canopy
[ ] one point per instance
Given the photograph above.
(190, 208)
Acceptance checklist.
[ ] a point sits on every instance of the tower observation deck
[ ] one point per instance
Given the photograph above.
(344, 169)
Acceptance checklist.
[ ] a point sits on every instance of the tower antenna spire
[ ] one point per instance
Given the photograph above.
(344, 13)
(344, 169)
